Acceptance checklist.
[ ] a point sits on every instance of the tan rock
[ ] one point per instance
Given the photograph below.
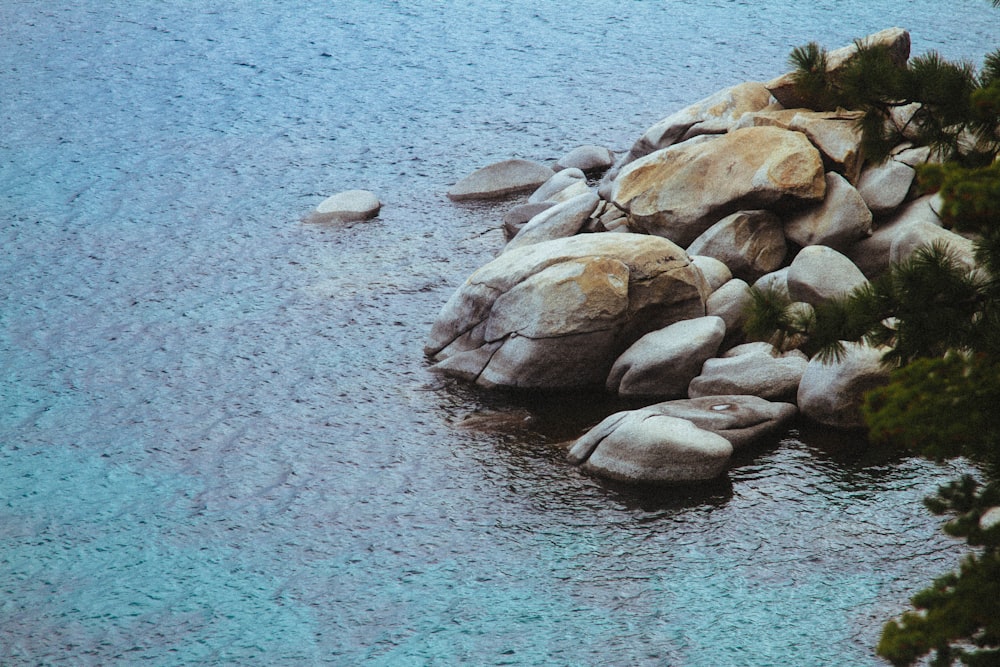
(681, 191)
(837, 136)
(750, 243)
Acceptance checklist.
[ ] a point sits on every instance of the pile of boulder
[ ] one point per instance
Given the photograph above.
(637, 282)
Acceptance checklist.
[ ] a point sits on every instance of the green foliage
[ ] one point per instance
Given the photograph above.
(940, 407)
(956, 617)
(956, 110)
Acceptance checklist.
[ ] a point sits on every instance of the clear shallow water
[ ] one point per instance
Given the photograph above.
(218, 440)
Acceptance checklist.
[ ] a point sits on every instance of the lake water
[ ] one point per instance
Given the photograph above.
(219, 443)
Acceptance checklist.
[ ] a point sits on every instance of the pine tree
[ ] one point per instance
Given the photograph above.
(940, 321)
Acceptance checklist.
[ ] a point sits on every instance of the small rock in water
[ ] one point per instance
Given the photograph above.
(347, 206)
(500, 179)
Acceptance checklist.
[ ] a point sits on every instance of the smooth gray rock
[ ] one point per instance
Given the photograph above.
(563, 185)
(347, 206)
(560, 221)
(750, 243)
(588, 159)
(920, 234)
(776, 281)
(643, 446)
(873, 254)
(716, 273)
(819, 273)
(663, 362)
(500, 179)
(518, 217)
(730, 302)
(637, 441)
(884, 186)
(838, 222)
(832, 393)
(556, 314)
(766, 375)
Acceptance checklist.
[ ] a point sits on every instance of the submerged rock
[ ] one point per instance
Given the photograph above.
(347, 206)
(500, 179)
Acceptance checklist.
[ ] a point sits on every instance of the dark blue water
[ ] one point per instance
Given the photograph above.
(219, 443)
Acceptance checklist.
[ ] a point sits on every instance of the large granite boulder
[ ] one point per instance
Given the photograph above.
(347, 206)
(883, 187)
(715, 114)
(840, 221)
(832, 393)
(768, 374)
(663, 362)
(750, 243)
(716, 272)
(743, 420)
(556, 314)
(681, 191)
(643, 446)
(518, 216)
(819, 273)
(896, 40)
(562, 220)
(924, 233)
(500, 179)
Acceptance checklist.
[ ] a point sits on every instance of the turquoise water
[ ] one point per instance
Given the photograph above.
(219, 443)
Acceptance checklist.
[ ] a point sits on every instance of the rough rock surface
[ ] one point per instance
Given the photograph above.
(500, 179)
(557, 314)
(347, 206)
(681, 191)
(663, 362)
(832, 393)
(750, 243)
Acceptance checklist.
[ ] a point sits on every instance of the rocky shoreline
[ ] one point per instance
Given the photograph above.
(639, 284)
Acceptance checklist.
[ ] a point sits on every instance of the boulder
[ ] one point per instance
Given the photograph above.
(562, 220)
(518, 217)
(750, 243)
(884, 186)
(832, 393)
(770, 375)
(556, 314)
(347, 206)
(715, 114)
(563, 185)
(776, 281)
(840, 221)
(663, 362)
(924, 233)
(716, 273)
(872, 255)
(896, 40)
(500, 179)
(643, 446)
(990, 519)
(819, 273)
(588, 159)
(681, 191)
(837, 136)
(730, 302)
(637, 440)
